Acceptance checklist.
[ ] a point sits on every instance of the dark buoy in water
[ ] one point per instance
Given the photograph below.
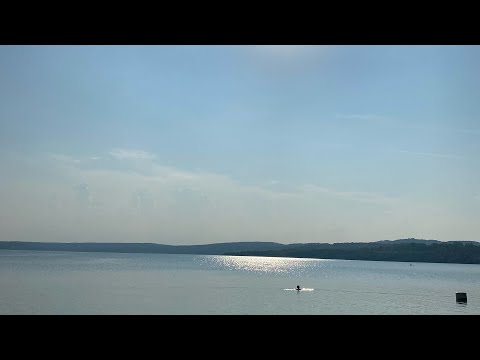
(461, 297)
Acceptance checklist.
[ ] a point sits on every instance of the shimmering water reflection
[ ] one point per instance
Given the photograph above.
(275, 265)
(106, 283)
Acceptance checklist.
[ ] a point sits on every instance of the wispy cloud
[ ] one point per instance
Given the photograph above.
(130, 154)
(153, 172)
(64, 159)
(358, 196)
(468, 131)
(415, 126)
(378, 119)
(67, 159)
(150, 202)
(282, 52)
(434, 155)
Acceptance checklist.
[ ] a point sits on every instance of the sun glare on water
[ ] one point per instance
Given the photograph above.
(277, 265)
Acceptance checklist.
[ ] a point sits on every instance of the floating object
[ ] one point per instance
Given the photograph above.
(461, 297)
(301, 290)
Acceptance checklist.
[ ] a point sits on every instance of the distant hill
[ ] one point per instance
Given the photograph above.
(427, 242)
(207, 249)
(409, 241)
(409, 250)
(462, 252)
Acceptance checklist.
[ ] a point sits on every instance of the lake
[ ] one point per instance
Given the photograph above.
(37, 282)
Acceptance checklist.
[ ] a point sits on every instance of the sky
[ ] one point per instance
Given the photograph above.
(207, 144)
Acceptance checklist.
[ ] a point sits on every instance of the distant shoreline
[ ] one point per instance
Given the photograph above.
(402, 250)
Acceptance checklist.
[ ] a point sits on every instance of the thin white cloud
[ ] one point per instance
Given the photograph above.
(130, 154)
(468, 131)
(64, 159)
(284, 61)
(213, 182)
(434, 155)
(358, 196)
(385, 120)
(367, 118)
(148, 202)
(283, 50)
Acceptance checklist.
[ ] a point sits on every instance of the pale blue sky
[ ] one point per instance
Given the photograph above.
(197, 144)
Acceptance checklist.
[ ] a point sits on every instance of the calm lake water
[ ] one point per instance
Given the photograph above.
(106, 283)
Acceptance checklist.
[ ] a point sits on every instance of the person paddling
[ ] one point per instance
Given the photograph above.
(298, 288)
